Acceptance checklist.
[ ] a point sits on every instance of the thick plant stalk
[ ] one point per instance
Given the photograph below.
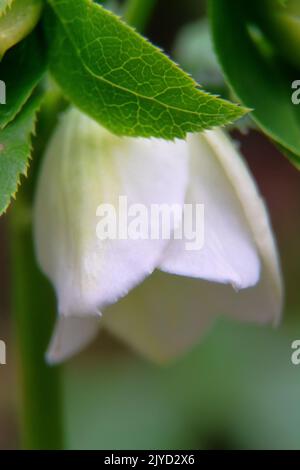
(34, 308)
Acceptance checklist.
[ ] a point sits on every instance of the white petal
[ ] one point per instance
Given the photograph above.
(167, 315)
(86, 166)
(70, 336)
(161, 318)
(217, 180)
(264, 302)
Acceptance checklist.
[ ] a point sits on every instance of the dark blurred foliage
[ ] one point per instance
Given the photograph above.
(169, 17)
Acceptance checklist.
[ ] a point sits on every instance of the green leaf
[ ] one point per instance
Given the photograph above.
(21, 70)
(15, 148)
(257, 75)
(18, 21)
(122, 81)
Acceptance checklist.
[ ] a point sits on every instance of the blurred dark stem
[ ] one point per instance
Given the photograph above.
(33, 304)
(138, 16)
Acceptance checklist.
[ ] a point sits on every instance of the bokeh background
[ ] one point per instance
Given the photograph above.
(237, 389)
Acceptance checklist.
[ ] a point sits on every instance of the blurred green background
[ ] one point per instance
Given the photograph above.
(237, 389)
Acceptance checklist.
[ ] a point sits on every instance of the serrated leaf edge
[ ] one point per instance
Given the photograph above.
(24, 172)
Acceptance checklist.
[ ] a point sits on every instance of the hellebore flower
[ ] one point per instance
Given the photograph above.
(85, 166)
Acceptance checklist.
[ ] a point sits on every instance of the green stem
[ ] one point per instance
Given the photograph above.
(138, 12)
(33, 304)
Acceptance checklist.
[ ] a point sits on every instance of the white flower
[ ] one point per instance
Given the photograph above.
(86, 166)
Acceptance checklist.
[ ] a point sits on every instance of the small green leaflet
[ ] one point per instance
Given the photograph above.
(4, 4)
(21, 70)
(17, 22)
(262, 81)
(121, 80)
(15, 148)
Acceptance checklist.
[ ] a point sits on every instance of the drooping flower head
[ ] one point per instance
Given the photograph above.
(85, 167)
